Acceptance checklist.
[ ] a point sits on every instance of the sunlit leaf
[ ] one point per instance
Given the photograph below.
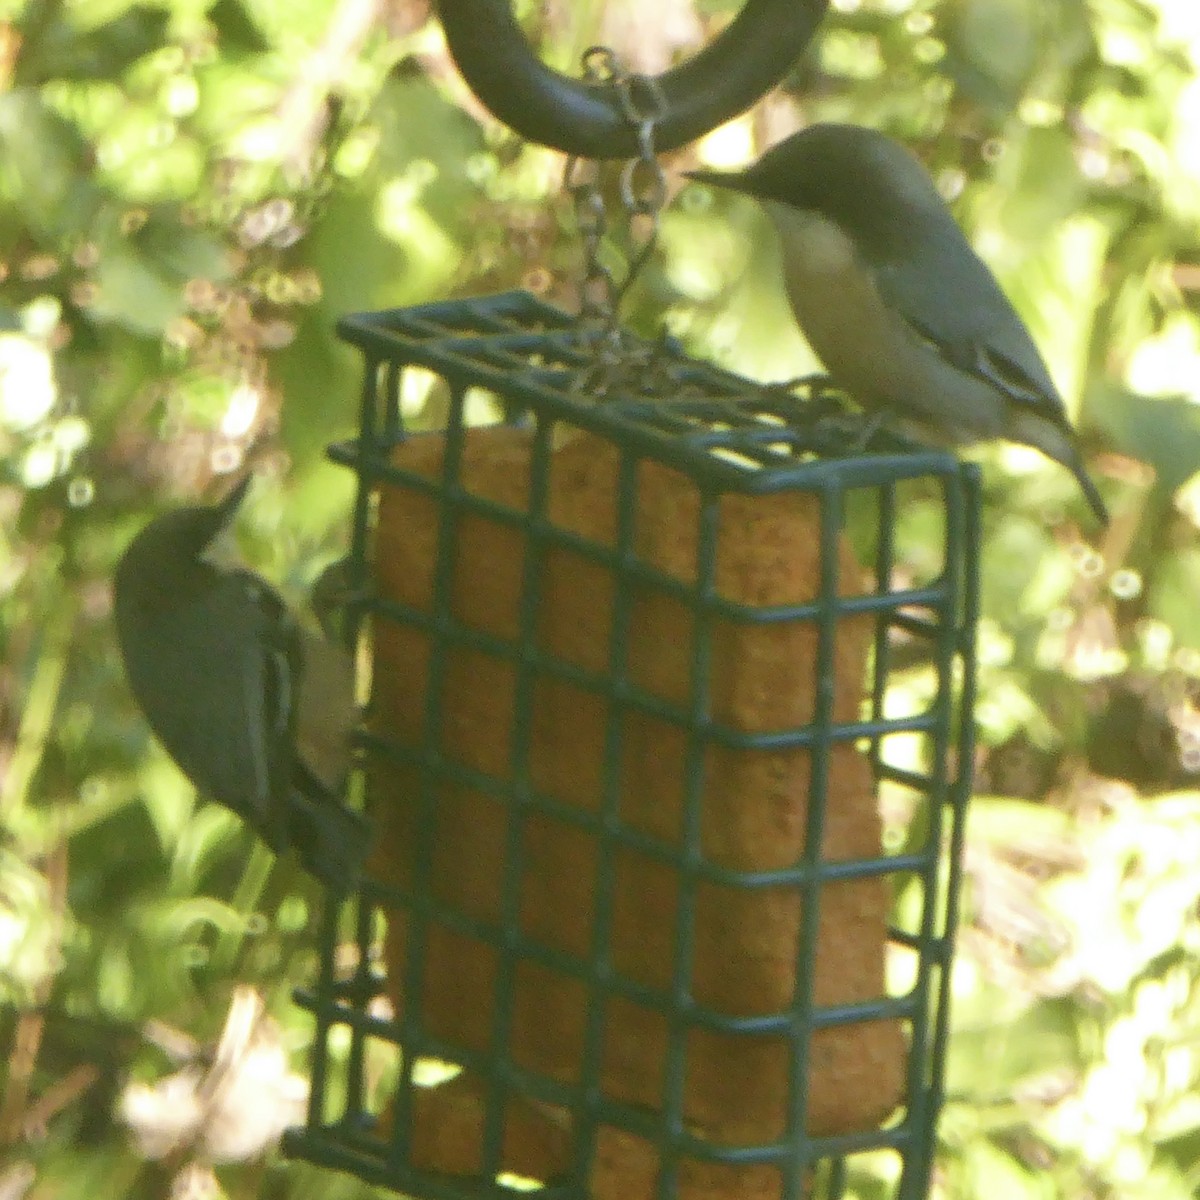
(993, 48)
(1162, 430)
(130, 292)
(1172, 594)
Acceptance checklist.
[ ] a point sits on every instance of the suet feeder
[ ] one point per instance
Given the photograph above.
(628, 918)
(630, 929)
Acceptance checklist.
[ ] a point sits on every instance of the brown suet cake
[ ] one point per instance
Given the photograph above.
(761, 677)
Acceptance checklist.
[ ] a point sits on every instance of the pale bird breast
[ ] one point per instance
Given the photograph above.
(837, 304)
(818, 241)
(867, 347)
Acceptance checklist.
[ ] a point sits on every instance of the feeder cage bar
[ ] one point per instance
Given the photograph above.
(646, 669)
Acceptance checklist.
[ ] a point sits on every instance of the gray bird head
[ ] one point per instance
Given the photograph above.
(870, 185)
(170, 543)
(194, 528)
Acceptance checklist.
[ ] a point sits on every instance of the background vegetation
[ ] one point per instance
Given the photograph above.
(191, 193)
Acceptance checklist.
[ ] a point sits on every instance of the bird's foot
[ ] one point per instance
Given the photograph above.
(812, 384)
(866, 434)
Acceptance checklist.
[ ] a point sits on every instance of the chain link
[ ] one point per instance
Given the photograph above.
(642, 187)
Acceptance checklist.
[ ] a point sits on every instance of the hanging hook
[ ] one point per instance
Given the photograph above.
(587, 120)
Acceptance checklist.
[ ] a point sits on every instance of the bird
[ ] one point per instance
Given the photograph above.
(255, 709)
(902, 312)
(331, 595)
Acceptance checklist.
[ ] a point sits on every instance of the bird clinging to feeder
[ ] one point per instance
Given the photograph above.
(255, 710)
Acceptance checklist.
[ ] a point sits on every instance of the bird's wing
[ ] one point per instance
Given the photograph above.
(270, 695)
(945, 291)
(309, 685)
(212, 722)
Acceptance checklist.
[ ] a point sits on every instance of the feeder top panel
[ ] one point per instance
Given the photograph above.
(649, 395)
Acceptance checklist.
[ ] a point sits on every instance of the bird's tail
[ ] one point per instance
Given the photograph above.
(331, 839)
(1090, 491)
(1058, 442)
(1068, 454)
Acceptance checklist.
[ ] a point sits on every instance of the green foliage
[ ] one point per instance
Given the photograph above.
(191, 195)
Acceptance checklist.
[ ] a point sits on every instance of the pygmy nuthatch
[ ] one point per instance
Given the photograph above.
(256, 711)
(901, 311)
(330, 597)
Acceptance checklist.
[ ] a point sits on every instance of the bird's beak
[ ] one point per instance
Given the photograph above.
(734, 181)
(233, 500)
(220, 551)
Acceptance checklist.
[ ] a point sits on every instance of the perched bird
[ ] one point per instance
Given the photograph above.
(330, 597)
(901, 311)
(255, 710)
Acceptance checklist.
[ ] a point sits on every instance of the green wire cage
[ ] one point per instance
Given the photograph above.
(643, 673)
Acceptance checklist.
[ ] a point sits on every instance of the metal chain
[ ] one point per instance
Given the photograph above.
(643, 191)
(597, 287)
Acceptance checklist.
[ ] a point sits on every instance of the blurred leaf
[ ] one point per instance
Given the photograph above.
(1001, 821)
(1035, 184)
(202, 843)
(62, 51)
(168, 796)
(131, 293)
(27, 939)
(387, 239)
(993, 48)
(121, 863)
(1172, 595)
(1184, 1150)
(1002, 1039)
(1017, 552)
(42, 166)
(178, 920)
(1163, 430)
(236, 31)
(141, 275)
(182, 252)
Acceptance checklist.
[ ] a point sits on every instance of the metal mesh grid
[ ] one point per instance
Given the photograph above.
(725, 436)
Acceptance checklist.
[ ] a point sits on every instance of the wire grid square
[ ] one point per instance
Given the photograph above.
(727, 437)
